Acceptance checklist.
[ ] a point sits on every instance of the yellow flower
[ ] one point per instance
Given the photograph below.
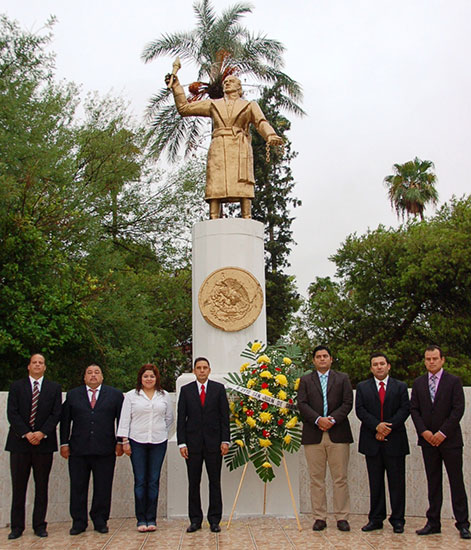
(281, 380)
(264, 442)
(239, 442)
(265, 391)
(244, 367)
(232, 406)
(282, 395)
(296, 384)
(287, 361)
(238, 423)
(266, 465)
(244, 409)
(266, 374)
(256, 346)
(283, 410)
(251, 422)
(287, 439)
(251, 383)
(292, 423)
(265, 417)
(264, 359)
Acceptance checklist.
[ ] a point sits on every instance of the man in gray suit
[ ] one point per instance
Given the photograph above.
(325, 398)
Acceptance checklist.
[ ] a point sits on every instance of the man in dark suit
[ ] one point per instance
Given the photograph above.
(90, 415)
(33, 410)
(203, 436)
(437, 406)
(325, 398)
(382, 405)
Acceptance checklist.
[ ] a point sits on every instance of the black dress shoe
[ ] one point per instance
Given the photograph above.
(428, 530)
(398, 528)
(343, 525)
(15, 534)
(101, 529)
(372, 526)
(319, 525)
(76, 530)
(41, 533)
(215, 528)
(193, 527)
(464, 533)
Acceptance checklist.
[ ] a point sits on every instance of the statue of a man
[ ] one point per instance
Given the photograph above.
(229, 171)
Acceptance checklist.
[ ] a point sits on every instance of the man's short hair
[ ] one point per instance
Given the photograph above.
(434, 347)
(320, 348)
(379, 354)
(201, 359)
(40, 355)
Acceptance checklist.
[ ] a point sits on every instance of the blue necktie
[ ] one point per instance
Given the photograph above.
(324, 379)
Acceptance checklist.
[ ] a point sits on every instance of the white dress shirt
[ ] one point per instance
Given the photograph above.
(146, 420)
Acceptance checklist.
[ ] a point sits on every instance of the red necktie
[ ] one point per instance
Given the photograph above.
(382, 393)
(93, 399)
(202, 395)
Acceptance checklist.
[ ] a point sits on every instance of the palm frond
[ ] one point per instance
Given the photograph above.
(183, 44)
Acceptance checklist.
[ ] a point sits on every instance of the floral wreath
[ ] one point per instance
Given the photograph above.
(264, 420)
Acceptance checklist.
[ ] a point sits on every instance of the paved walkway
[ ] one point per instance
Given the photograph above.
(259, 533)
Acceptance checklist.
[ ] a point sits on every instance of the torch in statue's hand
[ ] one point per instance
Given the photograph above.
(171, 78)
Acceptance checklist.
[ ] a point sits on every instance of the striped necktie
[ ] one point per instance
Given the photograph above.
(432, 385)
(324, 379)
(34, 404)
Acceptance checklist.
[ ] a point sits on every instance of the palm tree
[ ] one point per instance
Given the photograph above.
(219, 46)
(412, 187)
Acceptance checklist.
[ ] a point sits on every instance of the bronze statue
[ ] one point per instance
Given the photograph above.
(229, 171)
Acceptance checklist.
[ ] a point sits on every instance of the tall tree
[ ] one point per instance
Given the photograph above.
(272, 205)
(218, 46)
(412, 187)
(398, 290)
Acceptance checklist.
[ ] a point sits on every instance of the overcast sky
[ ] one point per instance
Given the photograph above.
(384, 81)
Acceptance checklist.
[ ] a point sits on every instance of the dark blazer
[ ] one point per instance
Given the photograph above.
(395, 410)
(206, 426)
(47, 416)
(339, 404)
(90, 431)
(444, 414)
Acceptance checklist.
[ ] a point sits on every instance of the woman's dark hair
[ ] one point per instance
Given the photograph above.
(142, 370)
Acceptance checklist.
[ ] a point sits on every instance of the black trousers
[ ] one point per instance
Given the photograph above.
(20, 468)
(80, 468)
(194, 464)
(434, 458)
(395, 469)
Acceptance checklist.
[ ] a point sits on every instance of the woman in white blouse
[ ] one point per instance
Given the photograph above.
(146, 417)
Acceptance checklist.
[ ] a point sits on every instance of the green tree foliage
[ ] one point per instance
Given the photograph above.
(412, 187)
(398, 290)
(218, 46)
(272, 206)
(93, 241)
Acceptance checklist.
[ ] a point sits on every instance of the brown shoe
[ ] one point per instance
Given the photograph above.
(319, 525)
(343, 525)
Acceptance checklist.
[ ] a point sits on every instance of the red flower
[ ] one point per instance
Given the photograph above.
(278, 369)
(265, 433)
(242, 403)
(264, 385)
(280, 422)
(264, 366)
(264, 406)
(254, 371)
(249, 412)
(290, 401)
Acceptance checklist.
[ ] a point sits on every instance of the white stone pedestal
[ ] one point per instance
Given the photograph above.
(227, 242)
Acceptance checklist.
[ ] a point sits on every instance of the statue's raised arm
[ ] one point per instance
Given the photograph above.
(229, 171)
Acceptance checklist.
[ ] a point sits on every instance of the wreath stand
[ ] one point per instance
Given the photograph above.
(265, 494)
